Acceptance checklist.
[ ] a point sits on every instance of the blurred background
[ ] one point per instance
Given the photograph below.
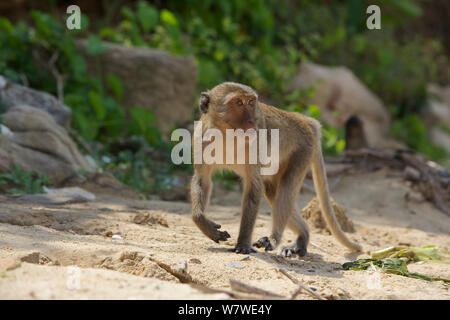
(134, 71)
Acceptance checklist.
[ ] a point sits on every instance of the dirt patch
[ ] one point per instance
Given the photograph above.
(138, 264)
(313, 215)
(29, 219)
(150, 218)
(39, 258)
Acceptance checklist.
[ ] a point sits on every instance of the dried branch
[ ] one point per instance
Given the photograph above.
(81, 140)
(51, 66)
(233, 294)
(301, 286)
(243, 287)
(432, 180)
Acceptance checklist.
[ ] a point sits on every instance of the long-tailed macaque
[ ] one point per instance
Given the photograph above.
(235, 106)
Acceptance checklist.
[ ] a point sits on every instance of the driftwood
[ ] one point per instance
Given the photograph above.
(430, 178)
(243, 287)
(300, 287)
(234, 294)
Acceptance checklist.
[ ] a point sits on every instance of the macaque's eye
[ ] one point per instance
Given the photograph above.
(239, 102)
(251, 102)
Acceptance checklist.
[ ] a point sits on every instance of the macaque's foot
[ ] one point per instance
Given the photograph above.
(288, 251)
(264, 242)
(243, 249)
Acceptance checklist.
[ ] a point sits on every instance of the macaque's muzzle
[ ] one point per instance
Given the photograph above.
(249, 124)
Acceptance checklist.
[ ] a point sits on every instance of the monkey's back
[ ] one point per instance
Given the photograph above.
(296, 130)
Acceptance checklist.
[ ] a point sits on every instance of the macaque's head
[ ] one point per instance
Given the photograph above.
(233, 103)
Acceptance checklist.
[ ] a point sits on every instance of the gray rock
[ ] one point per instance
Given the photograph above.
(39, 144)
(152, 79)
(12, 94)
(339, 91)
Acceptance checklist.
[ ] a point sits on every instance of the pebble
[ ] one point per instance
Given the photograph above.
(236, 265)
(116, 237)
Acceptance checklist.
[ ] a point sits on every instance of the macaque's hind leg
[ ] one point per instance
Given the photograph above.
(283, 208)
(270, 191)
(297, 224)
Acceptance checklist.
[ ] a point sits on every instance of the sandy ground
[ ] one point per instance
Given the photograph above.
(162, 253)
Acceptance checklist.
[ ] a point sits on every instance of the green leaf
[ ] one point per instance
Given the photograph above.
(168, 17)
(96, 101)
(407, 7)
(95, 45)
(6, 26)
(147, 15)
(116, 86)
(128, 13)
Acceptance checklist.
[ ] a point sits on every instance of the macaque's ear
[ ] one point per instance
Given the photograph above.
(204, 102)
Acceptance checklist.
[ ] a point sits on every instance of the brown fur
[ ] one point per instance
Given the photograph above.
(299, 151)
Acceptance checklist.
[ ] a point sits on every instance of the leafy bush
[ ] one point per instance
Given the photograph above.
(23, 182)
(257, 42)
(240, 41)
(41, 54)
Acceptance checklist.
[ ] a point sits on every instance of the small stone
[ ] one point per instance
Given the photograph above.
(195, 261)
(236, 265)
(116, 237)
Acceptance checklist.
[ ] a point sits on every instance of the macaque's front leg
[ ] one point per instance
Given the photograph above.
(250, 204)
(200, 193)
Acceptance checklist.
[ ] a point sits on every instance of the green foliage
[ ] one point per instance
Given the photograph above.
(240, 41)
(389, 265)
(412, 131)
(428, 253)
(97, 111)
(257, 42)
(23, 182)
(226, 178)
(139, 169)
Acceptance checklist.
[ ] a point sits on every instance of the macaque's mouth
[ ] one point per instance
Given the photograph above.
(245, 128)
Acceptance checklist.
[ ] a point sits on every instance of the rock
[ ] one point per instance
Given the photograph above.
(235, 265)
(152, 79)
(5, 163)
(48, 199)
(436, 114)
(39, 144)
(442, 93)
(59, 196)
(102, 183)
(12, 94)
(313, 215)
(195, 261)
(337, 90)
(74, 192)
(440, 138)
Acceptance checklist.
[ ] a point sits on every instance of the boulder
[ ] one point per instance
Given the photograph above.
(152, 79)
(436, 115)
(437, 108)
(12, 94)
(37, 143)
(340, 94)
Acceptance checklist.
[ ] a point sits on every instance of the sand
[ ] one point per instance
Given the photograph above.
(68, 251)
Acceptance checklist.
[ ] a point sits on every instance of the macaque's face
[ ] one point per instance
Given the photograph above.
(240, 111)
